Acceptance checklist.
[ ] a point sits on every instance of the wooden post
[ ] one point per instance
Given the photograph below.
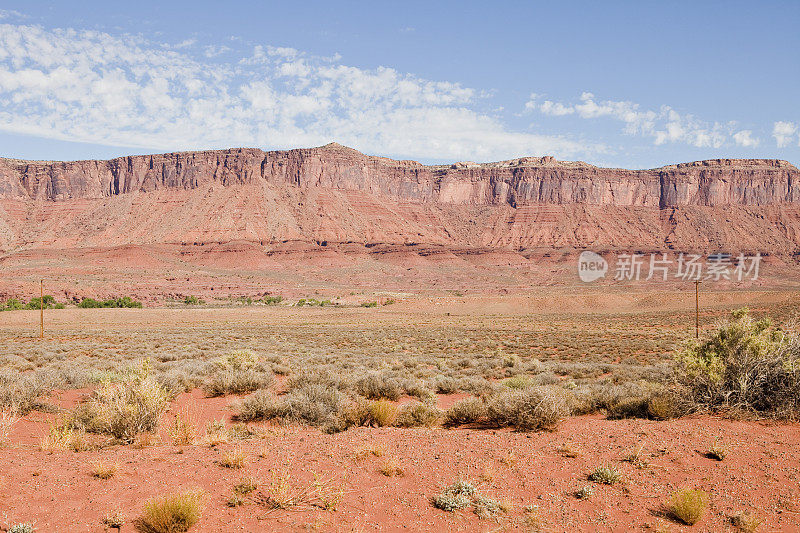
(41, 307)
(697, 309)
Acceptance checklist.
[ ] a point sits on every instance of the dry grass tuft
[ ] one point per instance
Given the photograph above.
(391, 468)
(234, 459)
(746, 521)
(688, 505)
(102, 470)
(115, 519)
(605, 474)
(175, 513)
(8, 418)
(183, 429)
(383, 413)
(718, 450)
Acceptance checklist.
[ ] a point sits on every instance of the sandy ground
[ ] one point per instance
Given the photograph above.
(529, 471)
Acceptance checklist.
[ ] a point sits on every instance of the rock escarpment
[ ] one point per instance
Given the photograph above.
(337, 194)
(518, 182)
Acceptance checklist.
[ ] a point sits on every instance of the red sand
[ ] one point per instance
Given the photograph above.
(760, 474)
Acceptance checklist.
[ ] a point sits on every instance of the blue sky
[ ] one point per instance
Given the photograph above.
(631, 84)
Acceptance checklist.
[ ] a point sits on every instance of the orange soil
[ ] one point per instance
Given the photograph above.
(760, 474)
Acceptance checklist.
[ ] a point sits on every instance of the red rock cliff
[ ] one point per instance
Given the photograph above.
(519, 182)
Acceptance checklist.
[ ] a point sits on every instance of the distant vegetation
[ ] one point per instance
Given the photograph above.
(313, 302)
(17, 305)
(125, 301)
(193, 300)
(14, 304)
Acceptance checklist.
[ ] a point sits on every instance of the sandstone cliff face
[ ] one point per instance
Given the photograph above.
(338, 195)
(520, 182)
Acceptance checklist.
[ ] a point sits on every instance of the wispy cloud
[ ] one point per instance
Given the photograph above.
(664, 125)
(99, 88)
(784, 133)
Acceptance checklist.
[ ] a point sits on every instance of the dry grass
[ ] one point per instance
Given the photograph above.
(688, 505)
(175, 513)
(718, 450)
(216, 433)
(746, 522)
(115, 519)
(368, 451)
(383, 413)
(8, 418)
(605, 474)
(102, 470)
(234, 459)
(58, 437)
(183, 429)
(324, 492)
(391, 468)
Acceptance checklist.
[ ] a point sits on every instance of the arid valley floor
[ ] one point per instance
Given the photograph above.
(434, 351)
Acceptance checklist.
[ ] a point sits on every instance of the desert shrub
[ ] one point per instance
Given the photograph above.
(369, 304)
(520, 381)
(454, 497)
(125, 409)
(48, 301)
(688, 505)
(313, 302)
(239, 373)
(12, 304)
(446, 385)
(261, 405)
(383, 413)
(375, 386)
(745, 365)
(467, 411)
(418, 414)
(313, 404)
(193, 300)
(318, 376)
(605, 474)
(20, 392)
(531, 409)
(175, 513)
(272, 300)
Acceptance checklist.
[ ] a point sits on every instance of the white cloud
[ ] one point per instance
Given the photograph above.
(745, 138)
(93, 87)
(663, 126)
(783, 132)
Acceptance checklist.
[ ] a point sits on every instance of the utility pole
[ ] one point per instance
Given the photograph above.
(697, 309)
(41, 307)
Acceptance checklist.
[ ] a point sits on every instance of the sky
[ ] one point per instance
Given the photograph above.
(636, 84)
